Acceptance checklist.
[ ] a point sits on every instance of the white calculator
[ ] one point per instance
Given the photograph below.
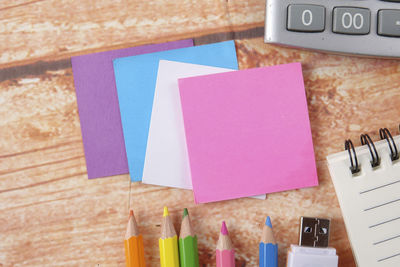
(361, 27)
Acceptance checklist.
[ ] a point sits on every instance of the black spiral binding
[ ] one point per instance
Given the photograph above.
(366, 140)
(385, 134)
(348, 145)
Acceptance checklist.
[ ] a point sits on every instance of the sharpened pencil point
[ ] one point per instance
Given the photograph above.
(185, 213)
(224, 230)
(268, 222)
(166, 213)
(130, 213)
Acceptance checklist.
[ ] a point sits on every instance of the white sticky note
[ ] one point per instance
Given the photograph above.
(166, 161)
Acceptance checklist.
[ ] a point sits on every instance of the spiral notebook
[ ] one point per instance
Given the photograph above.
(367, 184)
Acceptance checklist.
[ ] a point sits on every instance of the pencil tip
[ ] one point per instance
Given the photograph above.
(166, 213)
(185, 213)
(130, 213)
(224, 230)
(268, 222)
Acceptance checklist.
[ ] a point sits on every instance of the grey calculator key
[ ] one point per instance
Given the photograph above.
(351, 20)
(306, 18)
(389, 22)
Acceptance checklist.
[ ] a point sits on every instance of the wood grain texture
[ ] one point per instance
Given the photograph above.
(52, 215)
(53, 29)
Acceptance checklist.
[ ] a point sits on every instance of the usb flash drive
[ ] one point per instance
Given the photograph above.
(313, 250)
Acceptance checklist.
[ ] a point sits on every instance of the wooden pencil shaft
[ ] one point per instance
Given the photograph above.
(224, 242)
(186, 228)
(134, 252)
(132, 228)
(268, 249)
(188, 252)
(167, 228)
(268, 255)
(267, 235)
(169, 253)
(225, 258)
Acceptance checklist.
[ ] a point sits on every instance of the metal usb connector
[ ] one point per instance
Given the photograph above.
(313, 247)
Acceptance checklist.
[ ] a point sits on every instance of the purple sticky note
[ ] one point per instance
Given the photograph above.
(102, 135)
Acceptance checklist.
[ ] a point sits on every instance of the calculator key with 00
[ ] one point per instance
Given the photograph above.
(361, 27)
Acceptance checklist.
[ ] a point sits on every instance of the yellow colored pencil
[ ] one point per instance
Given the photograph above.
(168, 243)
(133, 242)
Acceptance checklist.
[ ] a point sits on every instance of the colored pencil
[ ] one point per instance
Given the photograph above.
(188, 252)
(268, 246)
(225, 252)
(133, 243)
(168, 243)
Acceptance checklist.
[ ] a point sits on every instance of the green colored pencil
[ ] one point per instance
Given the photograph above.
(188, 252)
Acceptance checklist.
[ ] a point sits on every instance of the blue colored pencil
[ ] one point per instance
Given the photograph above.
(268, 246)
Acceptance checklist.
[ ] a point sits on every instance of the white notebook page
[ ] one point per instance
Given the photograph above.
(370, 203)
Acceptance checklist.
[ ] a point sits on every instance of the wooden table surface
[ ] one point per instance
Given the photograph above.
(52, 215)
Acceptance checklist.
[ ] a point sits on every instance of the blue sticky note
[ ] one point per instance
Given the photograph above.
(136, 77)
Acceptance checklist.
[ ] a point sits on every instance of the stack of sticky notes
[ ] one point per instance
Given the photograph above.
(183, 116)
(98, 107)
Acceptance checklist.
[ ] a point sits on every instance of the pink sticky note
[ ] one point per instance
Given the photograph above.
(248, 132)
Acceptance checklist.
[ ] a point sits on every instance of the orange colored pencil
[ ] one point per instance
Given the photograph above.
(133, 242)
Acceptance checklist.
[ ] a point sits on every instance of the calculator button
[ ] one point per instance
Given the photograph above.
(306, 18)
(351, 20)
(389, 22)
